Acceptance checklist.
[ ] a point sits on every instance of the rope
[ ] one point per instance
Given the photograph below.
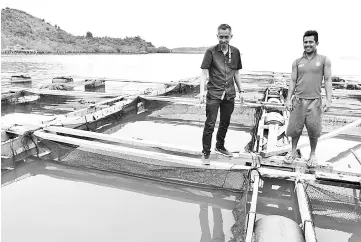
(30, 135)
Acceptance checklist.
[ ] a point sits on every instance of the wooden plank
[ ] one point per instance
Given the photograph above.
(74, 121)
(338, 177)
(306, 143)
(95, 107)
(238, 158)
(126, 141)
(311, 178)
(179, 160)
(252, 210)
(68, 93)
(84, 116)
(307, 223)
(15, 146)
(278, 162)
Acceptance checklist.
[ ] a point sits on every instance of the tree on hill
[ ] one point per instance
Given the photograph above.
(89, 35)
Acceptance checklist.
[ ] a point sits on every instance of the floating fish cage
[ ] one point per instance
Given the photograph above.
(117, 136)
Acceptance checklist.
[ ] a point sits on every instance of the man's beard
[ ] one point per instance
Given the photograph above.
(224, 46)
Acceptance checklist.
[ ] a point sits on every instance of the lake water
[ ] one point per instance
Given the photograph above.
(151, 67)
(60, 203)
(44, 201)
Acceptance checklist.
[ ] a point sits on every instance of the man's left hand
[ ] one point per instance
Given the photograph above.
(241, 97)
(327, 106)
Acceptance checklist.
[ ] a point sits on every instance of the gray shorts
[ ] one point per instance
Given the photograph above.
(305, 112)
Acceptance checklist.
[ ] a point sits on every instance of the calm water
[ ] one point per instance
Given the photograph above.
(44, 201)
(152, 67)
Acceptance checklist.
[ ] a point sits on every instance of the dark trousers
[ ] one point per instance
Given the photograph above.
(226, 108)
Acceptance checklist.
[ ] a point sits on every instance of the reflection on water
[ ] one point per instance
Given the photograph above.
(50, 202)
(21, 85)
(217, 233)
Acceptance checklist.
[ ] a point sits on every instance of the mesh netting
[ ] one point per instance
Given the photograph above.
(241, 116)
(150, 168)
(159, 170)
(336, 203)
(336, 208)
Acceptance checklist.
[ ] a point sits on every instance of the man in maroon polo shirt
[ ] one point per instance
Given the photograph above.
(304, 96)
(221, 63)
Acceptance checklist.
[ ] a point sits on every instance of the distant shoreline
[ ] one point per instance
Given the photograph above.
(97, 53)
(188, 52)
(84, 53)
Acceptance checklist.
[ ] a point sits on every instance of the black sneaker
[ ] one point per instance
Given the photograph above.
(223, 151)
(205, 158)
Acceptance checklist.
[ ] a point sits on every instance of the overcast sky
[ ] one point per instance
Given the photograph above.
(258, 26)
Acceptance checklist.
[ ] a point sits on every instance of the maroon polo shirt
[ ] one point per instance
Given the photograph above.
(222, 69)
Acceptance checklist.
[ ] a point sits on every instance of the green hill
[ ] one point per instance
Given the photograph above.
(22, 29)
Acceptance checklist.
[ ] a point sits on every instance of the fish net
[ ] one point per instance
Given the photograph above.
(234, 180)
(161, 170)
(335, 208)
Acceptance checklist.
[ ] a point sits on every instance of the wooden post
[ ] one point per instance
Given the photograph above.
(252, 210)
(307, 223)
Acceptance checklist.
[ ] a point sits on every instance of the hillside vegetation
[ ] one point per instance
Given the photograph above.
(22, 29)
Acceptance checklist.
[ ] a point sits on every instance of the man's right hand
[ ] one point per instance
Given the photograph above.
(202, 97)
(288, 105)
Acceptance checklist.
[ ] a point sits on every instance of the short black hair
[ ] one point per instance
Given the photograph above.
(224, 27)
(311, 33)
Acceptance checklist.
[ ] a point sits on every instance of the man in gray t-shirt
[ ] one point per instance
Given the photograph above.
(304, 96)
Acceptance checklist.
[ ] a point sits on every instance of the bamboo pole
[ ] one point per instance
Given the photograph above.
(307, 223)
(306, 143)
(252, 210)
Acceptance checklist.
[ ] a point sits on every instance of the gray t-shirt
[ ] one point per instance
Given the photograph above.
(310, 74)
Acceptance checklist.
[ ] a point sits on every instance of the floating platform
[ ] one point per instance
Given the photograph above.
(164, 161)
(20, 79)
(62, 79)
